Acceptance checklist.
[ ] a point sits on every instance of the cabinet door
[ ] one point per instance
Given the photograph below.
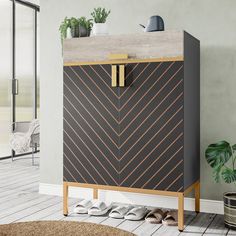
(91, 125)
(151, 126)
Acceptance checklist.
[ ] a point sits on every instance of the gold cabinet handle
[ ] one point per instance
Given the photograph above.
(118, 56)
(121, 75)
(113, 76)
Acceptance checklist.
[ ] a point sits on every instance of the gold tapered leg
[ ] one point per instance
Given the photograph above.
(95, 193)
(197, 197)
(65, 199)
(181, 212)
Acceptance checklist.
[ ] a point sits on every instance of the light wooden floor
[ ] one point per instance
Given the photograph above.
(20, 201)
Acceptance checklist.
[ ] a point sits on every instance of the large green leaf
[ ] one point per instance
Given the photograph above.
(234, 147)
(218, 154)
(216, 173)
(229, 175)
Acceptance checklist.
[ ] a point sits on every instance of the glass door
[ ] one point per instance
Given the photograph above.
(24, 63)
(18, 67)
(5, 76)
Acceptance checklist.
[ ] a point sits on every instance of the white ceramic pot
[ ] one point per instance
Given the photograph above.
(100, 29)
(68, 33)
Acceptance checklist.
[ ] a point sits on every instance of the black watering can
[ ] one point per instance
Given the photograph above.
(155, 23)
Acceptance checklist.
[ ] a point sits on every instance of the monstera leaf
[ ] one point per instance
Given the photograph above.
(229, 175)
(234, 147)
(218, 154)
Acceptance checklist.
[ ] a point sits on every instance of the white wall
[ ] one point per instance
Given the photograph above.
(212, 21)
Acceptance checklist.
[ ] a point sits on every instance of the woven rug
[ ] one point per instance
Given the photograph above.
(59, 228)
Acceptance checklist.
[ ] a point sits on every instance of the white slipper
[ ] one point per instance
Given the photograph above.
(82, 207)
(119, 212)
(137, 213)
(99, 208)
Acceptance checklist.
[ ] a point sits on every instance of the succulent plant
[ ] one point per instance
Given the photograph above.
(100, 15)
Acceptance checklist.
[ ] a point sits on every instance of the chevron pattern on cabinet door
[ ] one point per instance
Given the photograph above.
(91, 126)
(131, 136)
(151, 126)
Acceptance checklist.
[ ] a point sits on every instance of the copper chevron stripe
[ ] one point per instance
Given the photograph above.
(134, 79)
(108, 73)
(99, 76)
(136, 91)
(153, 162)
(90, 138)
(68, 159)
(79, 161)
(128, 137)
(140, 137)
(95, 84)
(180, 189)
(163, 165)
(102, 116)
(131, 159)
(174, 181)
(168, 174)
(92, 153)
(150, 102)
(72, 175)
(95, 132)
(151, 88)
(90, 116)
(156, 120)
(86, 163)
(108, 111)
(127, 76)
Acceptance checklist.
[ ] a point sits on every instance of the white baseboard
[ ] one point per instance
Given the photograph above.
(208, 206)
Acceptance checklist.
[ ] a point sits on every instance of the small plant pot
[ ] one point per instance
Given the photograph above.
(68, 33)
(100, 29)
(75, 31)
(230, 210)
(83, 32)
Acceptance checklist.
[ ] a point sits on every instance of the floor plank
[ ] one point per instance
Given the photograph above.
(112, 222)
(129, 225)
(217, 227)
(29, 210)
(146, 229)
(172, 230)
(199, 225)
(20, 201)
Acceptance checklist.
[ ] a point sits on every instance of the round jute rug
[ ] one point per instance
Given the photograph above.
(59, 228)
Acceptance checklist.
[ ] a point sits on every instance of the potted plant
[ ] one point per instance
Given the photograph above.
(65, 29)
(74, 27)
(85, 26)
(221, 157)
(100, 16)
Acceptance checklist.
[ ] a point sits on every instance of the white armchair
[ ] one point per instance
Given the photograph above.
(22, 128)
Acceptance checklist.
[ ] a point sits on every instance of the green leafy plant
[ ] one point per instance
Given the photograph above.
(65, 24)
(74, 25)
(218, 156)
(79, 27)
(100, 15)
(87, 24)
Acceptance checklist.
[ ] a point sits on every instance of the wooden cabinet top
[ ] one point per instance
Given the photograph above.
(153, 45)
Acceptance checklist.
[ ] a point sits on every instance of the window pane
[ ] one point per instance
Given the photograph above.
(5, 75)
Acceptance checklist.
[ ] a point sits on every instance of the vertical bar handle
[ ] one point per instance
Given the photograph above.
(15, 87)
(113, 76)
(122, 75)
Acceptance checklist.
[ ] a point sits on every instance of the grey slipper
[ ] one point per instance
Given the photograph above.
(155, 216)
(119, 212)
(171, 218)
(99, 208)
(137, 213)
